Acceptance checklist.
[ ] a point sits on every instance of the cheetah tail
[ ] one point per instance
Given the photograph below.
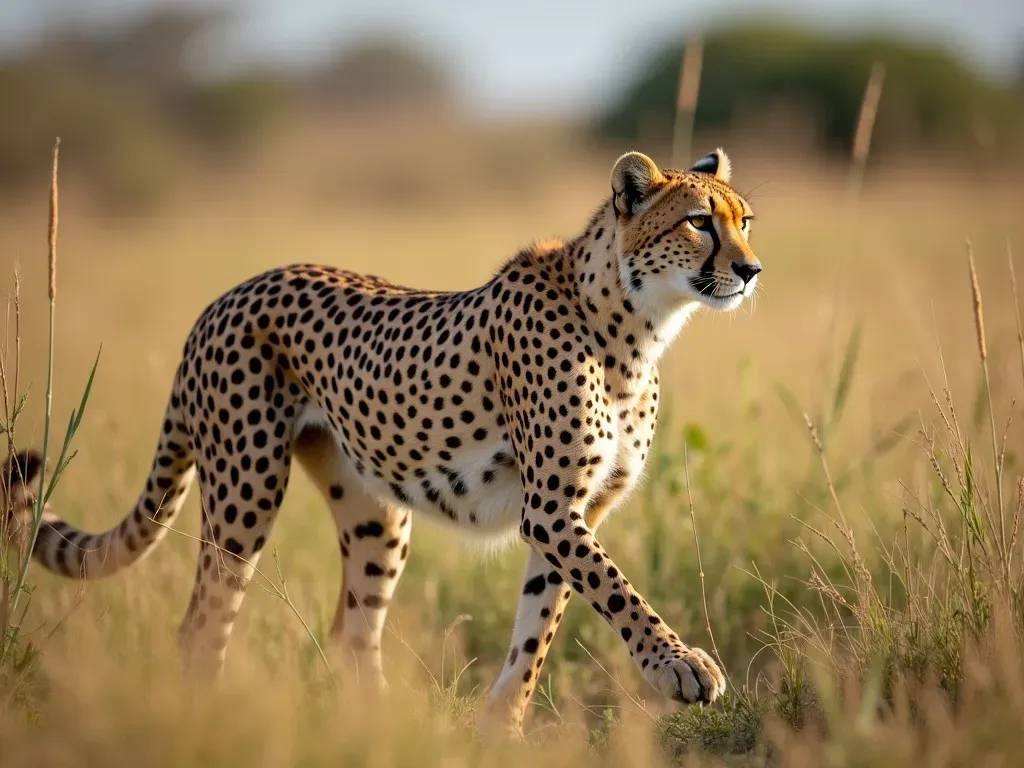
(64, 549)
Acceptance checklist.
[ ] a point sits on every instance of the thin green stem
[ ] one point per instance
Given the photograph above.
(37, 507)
(998, 470)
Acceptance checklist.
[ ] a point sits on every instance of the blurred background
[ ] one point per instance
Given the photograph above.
(142, 90)
(426, 142)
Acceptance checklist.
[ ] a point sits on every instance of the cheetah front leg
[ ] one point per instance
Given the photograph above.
(542, 602)
(544, 594)
(560, 476)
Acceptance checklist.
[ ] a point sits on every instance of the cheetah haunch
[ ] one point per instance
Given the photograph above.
(528, 403)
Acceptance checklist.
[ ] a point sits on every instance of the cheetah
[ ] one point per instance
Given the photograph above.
(526, 405)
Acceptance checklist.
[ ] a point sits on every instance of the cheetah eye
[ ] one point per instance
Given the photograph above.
(698, 222)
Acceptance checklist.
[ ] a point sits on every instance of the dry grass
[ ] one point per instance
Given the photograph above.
(825, 589)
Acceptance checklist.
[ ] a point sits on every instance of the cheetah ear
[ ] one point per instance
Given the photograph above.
(716, 163)
(635, 178)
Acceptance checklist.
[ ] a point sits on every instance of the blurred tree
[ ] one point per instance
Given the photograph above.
(148, 52)
(757, 69)
(125, 102)
(379, 72)
(227, 114)
(1020, 69)
(106, 130)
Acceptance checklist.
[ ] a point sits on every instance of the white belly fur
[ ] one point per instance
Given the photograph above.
(487, 512)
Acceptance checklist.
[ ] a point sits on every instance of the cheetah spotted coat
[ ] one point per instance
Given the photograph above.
(526, 404)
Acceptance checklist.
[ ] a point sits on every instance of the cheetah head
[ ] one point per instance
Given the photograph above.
(682, 237)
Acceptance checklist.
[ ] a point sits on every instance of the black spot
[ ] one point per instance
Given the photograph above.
(234, 547)
(372, 529)
(534, 586)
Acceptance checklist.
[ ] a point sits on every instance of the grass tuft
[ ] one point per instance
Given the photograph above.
(18, 535)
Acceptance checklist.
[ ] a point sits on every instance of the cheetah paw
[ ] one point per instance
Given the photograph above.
(689, 677)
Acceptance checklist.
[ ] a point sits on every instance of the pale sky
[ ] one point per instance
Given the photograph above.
(531, 55)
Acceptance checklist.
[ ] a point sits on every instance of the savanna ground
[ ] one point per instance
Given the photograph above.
(876, 625)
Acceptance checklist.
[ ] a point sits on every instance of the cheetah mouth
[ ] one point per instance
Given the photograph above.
(723, 301)
(723, 296)
(707, 289)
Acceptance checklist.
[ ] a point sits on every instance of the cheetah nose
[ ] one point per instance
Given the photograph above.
(746, 270)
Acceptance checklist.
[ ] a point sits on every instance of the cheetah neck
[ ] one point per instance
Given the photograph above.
(632, 336)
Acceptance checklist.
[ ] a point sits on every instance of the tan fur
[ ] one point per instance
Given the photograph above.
(527, 404)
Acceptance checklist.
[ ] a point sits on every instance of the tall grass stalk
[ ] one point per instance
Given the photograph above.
(37, 511)
(1016, 305)
(686, 102)
(12, 633)
(997, 457)
(860, 152)
(700, 565)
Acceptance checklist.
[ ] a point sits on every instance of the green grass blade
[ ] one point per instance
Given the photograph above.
(73, 424)
(846, 373)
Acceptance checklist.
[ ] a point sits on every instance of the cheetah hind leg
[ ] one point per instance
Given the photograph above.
(374, 543)
(238, 515)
